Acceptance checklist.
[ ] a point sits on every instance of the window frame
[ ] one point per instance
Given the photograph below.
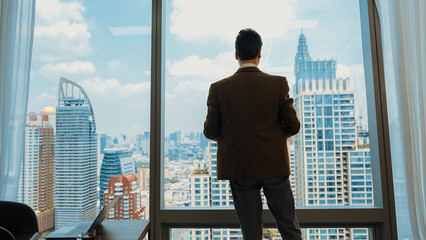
(382, 219)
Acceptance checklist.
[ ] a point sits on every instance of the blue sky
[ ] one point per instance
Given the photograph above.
(106, 47)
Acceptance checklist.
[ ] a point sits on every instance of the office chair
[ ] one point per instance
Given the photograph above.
(19, 220)
(5, 234)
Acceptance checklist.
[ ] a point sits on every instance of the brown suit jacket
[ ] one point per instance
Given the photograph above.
(251, 115)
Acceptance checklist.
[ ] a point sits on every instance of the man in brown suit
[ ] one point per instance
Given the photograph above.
(251, 115)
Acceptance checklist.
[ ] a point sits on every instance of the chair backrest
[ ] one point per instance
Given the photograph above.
(18, 218)
(5, 234)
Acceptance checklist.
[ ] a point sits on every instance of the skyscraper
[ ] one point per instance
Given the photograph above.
(221, 190)
(36, 183)
(332, 168)
(207, 191)
(75, 155)
(308, 71)
(46, 178)
(116, 161)
(28, 179)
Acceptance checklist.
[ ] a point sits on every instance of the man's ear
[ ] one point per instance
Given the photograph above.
(260, 53)
(236, 57)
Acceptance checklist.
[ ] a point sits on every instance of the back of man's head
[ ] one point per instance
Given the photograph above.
(247, 44)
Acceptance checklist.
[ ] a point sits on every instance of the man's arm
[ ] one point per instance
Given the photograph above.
(288, 115)
(212, 124)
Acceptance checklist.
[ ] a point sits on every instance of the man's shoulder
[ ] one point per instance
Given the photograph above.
(223, 80)
(257, 74)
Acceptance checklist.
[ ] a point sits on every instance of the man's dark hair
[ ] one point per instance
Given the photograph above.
(247, 44)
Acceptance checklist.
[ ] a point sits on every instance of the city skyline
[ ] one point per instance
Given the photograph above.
(107, 57)
(330, 156)
(110, 56)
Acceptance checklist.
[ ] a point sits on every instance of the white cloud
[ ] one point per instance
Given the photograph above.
(76, 68)
(278, 69)
(342, 71)
(52, 10)
(147, 72)
(115, 64)
(112, 88)
(222, 19)
(282, 70)
(192, 86)
(196, 74)
(221, 66)
(61, 33)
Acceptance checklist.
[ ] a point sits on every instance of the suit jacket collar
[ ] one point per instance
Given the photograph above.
(248, 69)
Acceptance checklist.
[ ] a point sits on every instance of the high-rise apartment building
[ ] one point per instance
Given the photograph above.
(28, 179)
(332, 168)
(360, 177)
(46, 177)
(36, 183)
(75, 156)
(220, 189)
(207, 191)
(199, 190)
(128, 206)
(116, 161)
(292, 158)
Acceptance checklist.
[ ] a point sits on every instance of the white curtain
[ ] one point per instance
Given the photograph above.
(16, 40)
(403, 24)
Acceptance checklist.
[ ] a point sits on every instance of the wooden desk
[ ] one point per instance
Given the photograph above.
(122, 229)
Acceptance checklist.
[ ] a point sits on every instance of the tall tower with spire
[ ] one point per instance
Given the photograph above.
(331, 166)
(75, 156)
(308, 71)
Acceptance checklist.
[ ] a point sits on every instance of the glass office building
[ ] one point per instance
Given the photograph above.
(115, 162)
(75, 156)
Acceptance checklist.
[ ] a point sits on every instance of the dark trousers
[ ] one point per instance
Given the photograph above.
(248, 205)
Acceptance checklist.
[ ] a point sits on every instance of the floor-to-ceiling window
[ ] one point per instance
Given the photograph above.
(108, 98)
(338, 158)
(88, 125)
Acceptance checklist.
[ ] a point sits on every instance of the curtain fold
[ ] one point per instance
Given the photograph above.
(404, 48)
(16, 40)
